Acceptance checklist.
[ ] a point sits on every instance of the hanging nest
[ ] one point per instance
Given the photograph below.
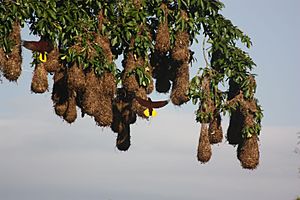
(180, 52)
(2, 59)
(90, 99)
(70, 113)
(106, 91)
(12, 62)
(123, 139)
(162, 71)
(39, 83)
(60, 92)
(53, 64)
(215, 130)
(204, 148)
(130, 64)
(179, 94)
(234, 132)
(162, 42)
(248, 153)
(76, 78)
(104, 114)
(104, 43)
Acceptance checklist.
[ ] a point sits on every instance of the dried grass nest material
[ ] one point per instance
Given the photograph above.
(70, 113)
(53, 63)
(248, 153)
(215, 130)
(10, 64)
(39, 83)
(162, 42)
(76, 78)
(204, 147)
(179, 94)
(180, 51)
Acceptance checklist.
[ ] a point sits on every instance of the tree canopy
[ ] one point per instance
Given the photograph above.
(81, 40)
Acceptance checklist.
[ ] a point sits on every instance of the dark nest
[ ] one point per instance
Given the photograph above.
(39, 83)
(60, 92)
(53, 63)
(162, 71)
(122, 111)
(180, 51)
(123, 139)
(12, 63)
(179, 94)
(234, 132)
(248, 153)
(204, 147)
(70, 114)
(215, 130)
(76, 78)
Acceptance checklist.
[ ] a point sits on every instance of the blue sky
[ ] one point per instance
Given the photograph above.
(43, 157)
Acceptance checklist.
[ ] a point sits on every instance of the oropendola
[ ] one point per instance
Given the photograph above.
(43, 46)
(150, 105)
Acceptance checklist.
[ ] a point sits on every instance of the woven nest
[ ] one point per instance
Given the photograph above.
(234, 132)
(162, 42)
(12, 63)
(53, 64)
(180, 51)
(123, 139)
(59, 90)
(248, 153)
(39, 83)
(2, 59)
(70, 114)
(60, 108)
(76, 78)
(215, 130)
(104, 113)
(104, 43)
(179, 94)
(204, 147)
(129, 80)
(109, 84)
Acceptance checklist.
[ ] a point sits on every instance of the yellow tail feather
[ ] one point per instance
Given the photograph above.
(147, 113)
(43, 57)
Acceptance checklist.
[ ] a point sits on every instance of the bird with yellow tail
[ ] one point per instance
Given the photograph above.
(150, 105)
(43, 46)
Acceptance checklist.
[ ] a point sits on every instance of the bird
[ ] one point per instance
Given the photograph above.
(150, 105)
(43, 46)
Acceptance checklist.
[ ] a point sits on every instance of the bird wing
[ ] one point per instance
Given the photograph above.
(143, 102)
(159, 104)
(151, 104)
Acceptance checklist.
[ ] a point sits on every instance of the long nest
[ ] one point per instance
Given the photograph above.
(11, 63)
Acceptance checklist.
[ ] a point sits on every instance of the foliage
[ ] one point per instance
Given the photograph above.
(131, 26)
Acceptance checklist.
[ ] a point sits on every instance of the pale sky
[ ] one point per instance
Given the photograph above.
(44, 158)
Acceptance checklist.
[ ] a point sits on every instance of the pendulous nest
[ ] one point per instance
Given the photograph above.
(248, 153)
(76, 78)
(179, 94)
(123, 139)
(104, 113)
(215, 130)
(70, 113)
(39, 83)
(11, 63)
(204, 147)
(162, 42)
(180, 51)
(53, 64)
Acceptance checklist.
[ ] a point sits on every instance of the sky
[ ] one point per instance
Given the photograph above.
(43, 157)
